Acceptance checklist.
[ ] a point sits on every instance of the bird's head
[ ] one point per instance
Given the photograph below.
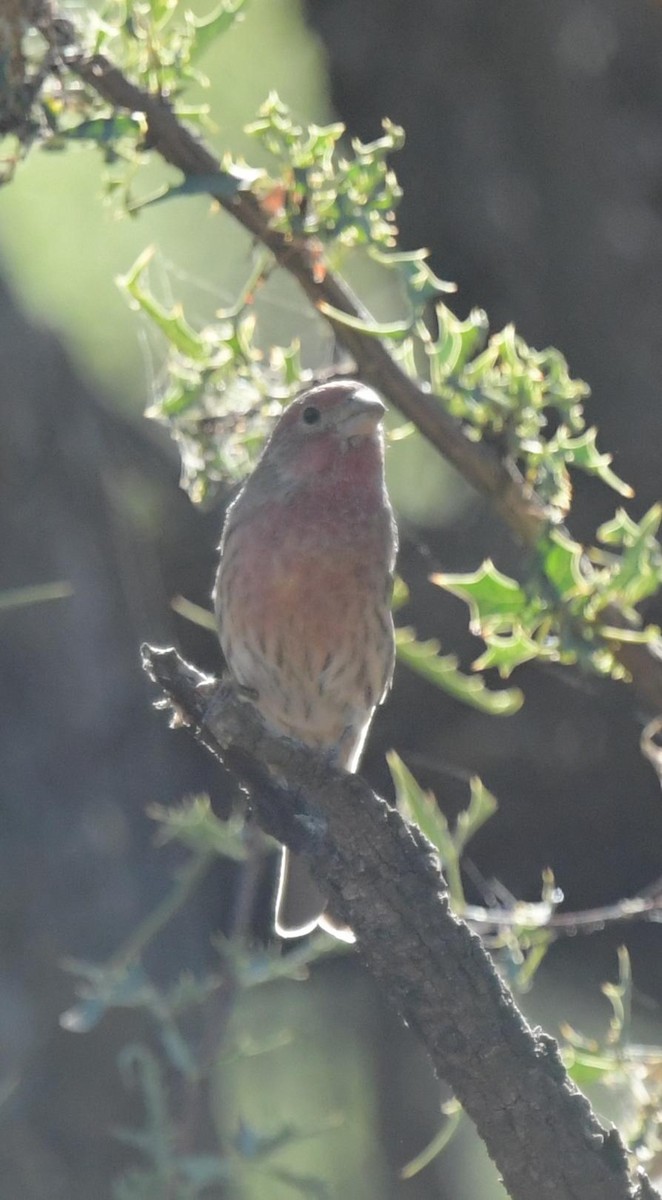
(333, 427)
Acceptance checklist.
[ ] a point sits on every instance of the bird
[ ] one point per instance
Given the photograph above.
(303, 591)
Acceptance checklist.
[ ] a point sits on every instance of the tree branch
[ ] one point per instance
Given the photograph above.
(381, 875)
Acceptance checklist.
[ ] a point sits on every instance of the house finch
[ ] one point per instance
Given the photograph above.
(303, 592)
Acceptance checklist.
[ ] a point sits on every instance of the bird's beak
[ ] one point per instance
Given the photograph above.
(361, 414)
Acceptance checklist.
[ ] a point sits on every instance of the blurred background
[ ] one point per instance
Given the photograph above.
(533, 172)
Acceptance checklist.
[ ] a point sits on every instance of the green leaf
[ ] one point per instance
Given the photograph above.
(182, 395)
(421, 807)
(638, 572)
(561, 560)
(482, 807)
(421, 284)
(581, 452)
(457, 341)
(205, 30)
(634, 637)
(504, 652)
(161, 10)
(395, 329)
(400, 595)
(172, 324)
(349, 198)
(104, 129)
(495, 601)
(622, 530)
(585, 1069)
(224, 183)
(442, 670)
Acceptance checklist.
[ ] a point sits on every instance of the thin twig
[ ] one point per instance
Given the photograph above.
(589, 920)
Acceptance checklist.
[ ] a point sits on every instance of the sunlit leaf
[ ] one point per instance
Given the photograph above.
(104, 129)
(442, 670)
(420, 806)
(205, 30)
(505, 652)
(581, 452)
(482, 807)
(400, 595)
(172, 324)
(224, 183)
(585, 1069)
(394, 329)
(561, 560)
(495, 601)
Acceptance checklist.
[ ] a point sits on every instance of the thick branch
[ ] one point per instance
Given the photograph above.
(381, 875)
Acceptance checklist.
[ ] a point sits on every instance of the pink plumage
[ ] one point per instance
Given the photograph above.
(303, 590)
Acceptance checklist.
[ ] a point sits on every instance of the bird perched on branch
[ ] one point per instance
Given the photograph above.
(303, 593)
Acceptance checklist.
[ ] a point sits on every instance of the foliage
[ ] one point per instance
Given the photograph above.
(155, 41)
(421, 807)
(179, 1063)
(630, 1073)
(570, 605)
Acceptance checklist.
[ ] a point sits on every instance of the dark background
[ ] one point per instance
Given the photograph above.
(533, 172)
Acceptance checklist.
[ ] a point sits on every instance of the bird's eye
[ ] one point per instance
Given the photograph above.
(311, 415)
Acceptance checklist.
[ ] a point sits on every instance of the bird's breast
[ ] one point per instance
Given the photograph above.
(304, 613)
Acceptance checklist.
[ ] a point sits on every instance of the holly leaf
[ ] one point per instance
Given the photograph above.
(582, 453)
(561, 560)
(622, 530)
(420, 807)
(104, 129)
(225, 183)
(482, 807)
(205, 30)
(442, 670)
(456, 343)
(638, 571)
(495, 601)
(173, 324)
(400, 595)
(504, 652)
(395, 330)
